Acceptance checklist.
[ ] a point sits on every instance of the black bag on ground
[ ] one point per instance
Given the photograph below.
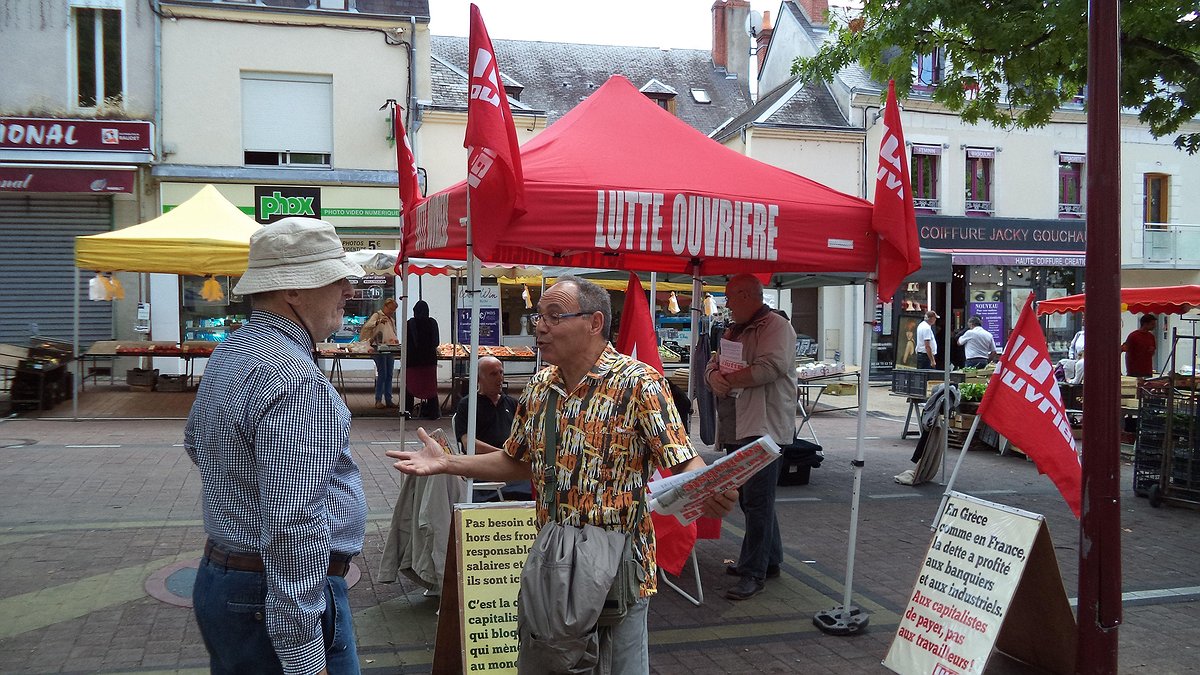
(800, 457)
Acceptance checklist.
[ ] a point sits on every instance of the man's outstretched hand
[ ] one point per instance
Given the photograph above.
(429, 460)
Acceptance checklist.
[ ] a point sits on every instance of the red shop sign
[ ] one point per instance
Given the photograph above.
(38, 133)
(109, 181)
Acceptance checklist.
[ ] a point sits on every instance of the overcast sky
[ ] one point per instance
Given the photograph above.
(643, 23)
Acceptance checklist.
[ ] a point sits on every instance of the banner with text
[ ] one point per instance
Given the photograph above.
(494, 541)
(965, 587)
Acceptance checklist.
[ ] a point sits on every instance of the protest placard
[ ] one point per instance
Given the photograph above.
(477, 621)
(989, 581)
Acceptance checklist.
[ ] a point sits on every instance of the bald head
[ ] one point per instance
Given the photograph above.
(491, 377)
(743, 296)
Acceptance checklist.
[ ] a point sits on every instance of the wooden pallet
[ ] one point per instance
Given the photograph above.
(956, 437)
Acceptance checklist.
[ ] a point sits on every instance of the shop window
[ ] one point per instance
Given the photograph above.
(979, 181)
(287, 120)
(1070, 186)
(99, 72)
(210, 317)
(928, 70)
(925, 163)
(1154, 201)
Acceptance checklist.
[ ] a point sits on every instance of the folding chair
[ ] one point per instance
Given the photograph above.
(485, 485)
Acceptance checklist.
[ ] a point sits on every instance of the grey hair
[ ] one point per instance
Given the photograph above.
(974, 321)
(592, 298)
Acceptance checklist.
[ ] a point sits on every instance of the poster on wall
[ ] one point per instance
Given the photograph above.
(489, 316)
(1016, 300)
(991, 314)
(1057, 321)
(906, 338)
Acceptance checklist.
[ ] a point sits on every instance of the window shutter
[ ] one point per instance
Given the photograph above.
(287, 113)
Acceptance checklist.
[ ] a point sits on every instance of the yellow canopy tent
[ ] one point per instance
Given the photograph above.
(204, 235)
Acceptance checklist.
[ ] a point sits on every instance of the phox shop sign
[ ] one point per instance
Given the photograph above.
(272, 203)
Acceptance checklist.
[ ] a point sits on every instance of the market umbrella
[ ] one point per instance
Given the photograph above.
(1152, 300)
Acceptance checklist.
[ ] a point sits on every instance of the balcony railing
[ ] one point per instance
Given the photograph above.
(1173, 244)
(1073, 209)
(980, 206)
(934, 204)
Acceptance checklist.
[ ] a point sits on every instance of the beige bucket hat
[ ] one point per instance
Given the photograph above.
(295, 253)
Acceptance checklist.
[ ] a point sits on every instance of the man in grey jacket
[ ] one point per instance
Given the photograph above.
(755, 384)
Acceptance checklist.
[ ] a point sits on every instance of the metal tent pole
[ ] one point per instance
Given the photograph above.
(473, 355)
(78, 361)
(846, 619)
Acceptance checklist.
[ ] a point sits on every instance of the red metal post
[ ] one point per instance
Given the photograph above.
(1100, 527)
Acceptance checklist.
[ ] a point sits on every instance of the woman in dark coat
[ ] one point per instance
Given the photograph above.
(421, 382)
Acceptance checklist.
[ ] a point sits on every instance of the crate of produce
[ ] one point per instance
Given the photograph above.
(911, 382)
(171, 383)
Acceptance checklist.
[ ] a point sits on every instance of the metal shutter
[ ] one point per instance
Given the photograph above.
(37, 267)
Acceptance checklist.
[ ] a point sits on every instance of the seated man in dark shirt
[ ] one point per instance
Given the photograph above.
(494, 418)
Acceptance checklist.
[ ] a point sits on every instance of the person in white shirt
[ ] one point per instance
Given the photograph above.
(927, 342)
(1075, 349)
(978, 344)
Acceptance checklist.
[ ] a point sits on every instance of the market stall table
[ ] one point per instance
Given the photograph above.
(188, 351)
(810, 388)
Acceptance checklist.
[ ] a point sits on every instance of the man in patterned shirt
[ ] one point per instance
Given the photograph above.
(616, 425)
(283, 500)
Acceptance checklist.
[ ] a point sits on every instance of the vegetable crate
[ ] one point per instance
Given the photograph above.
(914, 383)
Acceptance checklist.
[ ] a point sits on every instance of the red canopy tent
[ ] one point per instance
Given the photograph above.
(619, 183)
(1153, 300)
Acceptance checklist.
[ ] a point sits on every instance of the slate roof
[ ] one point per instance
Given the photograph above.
(558, 75)
(853, 75)
(790, 104)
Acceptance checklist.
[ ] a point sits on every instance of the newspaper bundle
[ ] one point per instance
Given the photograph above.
(683, 495)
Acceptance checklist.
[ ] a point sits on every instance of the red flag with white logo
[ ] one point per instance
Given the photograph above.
(406, 171)
(495, 184)
(892, 218)
(1023, 404)
(637, 339)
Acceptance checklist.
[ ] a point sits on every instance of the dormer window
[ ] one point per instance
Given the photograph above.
(928, 70)
(701, 96)
(662, 95)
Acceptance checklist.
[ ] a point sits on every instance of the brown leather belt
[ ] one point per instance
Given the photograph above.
(339, 563)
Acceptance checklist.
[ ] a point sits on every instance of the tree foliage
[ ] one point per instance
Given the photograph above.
(1013, 62)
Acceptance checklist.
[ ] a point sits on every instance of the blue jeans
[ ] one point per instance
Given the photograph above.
(624, 648)
(976, 363)
(384, 365)
(230, 608)
(762, 545)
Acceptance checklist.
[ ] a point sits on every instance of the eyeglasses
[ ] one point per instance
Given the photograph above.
(553, 319)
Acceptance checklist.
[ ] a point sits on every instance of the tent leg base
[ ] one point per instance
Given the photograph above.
(839, 621)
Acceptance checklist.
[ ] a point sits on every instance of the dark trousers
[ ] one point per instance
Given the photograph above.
(977, 363)
(230, 608)
(762, 545)
(923, 361)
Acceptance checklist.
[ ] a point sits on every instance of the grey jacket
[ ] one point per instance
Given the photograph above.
(769, 407)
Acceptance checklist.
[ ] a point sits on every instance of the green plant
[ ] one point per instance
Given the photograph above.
(972, 391)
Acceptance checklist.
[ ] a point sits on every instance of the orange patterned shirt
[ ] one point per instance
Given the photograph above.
(614, 429)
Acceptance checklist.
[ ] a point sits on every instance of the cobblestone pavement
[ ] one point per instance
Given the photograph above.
(91, 511)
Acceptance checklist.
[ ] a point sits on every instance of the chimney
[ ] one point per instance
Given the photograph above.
(763, 40)
(731, 43)
(817, 11)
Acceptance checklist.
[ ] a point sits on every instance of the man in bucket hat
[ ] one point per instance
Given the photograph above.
(283, 501)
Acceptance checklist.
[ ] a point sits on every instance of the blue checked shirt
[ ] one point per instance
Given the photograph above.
(270, 436)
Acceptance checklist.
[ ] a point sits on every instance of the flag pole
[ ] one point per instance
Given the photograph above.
(937, 520)
(473, 356)
(846, 619)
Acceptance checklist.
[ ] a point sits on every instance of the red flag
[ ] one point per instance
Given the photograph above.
(893, 219)
(1023, 404)
(637, 339)
(406, 171)
(495, 184)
